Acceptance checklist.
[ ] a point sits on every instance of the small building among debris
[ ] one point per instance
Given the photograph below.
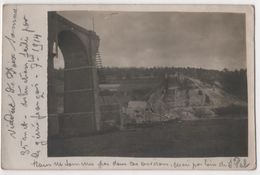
(136, 111)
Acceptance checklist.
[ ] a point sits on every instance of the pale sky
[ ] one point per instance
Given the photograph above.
(179, 39)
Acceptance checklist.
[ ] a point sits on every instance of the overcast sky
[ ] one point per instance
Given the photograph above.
(206, 40)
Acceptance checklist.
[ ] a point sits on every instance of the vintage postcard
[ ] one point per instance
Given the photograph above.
(128, 87)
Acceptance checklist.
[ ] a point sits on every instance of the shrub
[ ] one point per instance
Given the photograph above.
(231, 109)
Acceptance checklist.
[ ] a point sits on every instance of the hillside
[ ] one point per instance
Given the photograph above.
(233, 82)
(162, 94)
(188, 98)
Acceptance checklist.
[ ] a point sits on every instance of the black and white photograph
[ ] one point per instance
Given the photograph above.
(128, 87)
(147, 84)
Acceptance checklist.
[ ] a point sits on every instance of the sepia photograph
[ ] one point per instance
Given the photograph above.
(147, 84)
(128, 87)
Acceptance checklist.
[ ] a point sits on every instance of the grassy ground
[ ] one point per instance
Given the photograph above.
(201, 138)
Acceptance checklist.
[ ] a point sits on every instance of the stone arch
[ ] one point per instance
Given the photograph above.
(70, 43)
(81, 107)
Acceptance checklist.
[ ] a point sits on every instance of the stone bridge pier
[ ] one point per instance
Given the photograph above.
(79, 46)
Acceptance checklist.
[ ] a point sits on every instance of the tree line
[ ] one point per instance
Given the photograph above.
(232, 81)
